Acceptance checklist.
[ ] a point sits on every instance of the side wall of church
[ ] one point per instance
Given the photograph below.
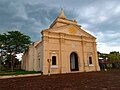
(39, 57)
(31, 58)
(27, 59)
(24, 60)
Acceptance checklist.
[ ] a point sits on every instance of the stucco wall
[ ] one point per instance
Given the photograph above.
(39, 57)
(63, 45)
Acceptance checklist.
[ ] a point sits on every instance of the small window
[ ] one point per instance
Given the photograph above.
(53, 60)
(90, 60)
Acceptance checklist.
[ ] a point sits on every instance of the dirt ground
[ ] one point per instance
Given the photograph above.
(109, 80)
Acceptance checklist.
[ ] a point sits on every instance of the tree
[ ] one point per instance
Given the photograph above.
(114, 58)
(15, 42)
(2, 43)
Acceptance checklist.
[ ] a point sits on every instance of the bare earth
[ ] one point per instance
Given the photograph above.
(75, 81)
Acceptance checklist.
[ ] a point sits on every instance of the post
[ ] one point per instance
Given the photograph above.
(49, 60)
(0, 60)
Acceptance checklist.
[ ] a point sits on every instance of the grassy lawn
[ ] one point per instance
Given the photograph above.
(18, 72)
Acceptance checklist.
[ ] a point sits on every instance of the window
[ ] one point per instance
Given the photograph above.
(90, 60)
(53, 60)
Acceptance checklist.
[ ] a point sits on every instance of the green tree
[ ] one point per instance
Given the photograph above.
(114, 58)
(15, 42)
(2, 44)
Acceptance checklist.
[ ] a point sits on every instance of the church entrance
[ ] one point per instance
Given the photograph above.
(74, 62)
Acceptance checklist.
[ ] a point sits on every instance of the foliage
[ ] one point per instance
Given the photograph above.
(13, 42)
(16, 41)
(113, 60)
(114, 56)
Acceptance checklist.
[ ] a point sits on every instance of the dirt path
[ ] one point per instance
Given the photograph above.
(76, 81)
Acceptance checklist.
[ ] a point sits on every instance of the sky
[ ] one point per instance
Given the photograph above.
(100, 18)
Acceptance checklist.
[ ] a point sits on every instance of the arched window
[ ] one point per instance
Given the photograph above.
(53, 60)
(90, 60)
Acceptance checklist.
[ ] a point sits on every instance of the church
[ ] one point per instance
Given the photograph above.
(65, 48)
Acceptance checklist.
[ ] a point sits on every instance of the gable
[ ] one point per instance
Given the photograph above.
(72, 30)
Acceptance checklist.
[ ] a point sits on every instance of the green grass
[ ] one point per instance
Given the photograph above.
(18, 72)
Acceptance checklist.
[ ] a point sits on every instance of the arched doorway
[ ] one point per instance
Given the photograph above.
(74, 62)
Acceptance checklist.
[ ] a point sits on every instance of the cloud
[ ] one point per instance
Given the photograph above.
(19, 56)
(99, 17)
(23, 16)
(27, 16)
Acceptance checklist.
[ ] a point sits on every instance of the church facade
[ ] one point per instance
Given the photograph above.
(65, 48)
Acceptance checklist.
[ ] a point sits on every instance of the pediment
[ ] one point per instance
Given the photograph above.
(72, 30)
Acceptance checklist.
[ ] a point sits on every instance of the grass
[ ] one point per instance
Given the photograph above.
(18, 72)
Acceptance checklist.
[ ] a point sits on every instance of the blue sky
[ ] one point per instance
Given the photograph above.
(99, 17)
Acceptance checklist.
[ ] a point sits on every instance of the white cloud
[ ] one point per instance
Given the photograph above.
(19, 56)
(104, 48)
(117, 10)
(89, 12)
(102, 18)
(100, 36)
(85, 25)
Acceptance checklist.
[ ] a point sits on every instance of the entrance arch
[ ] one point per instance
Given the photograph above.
(74, 62)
